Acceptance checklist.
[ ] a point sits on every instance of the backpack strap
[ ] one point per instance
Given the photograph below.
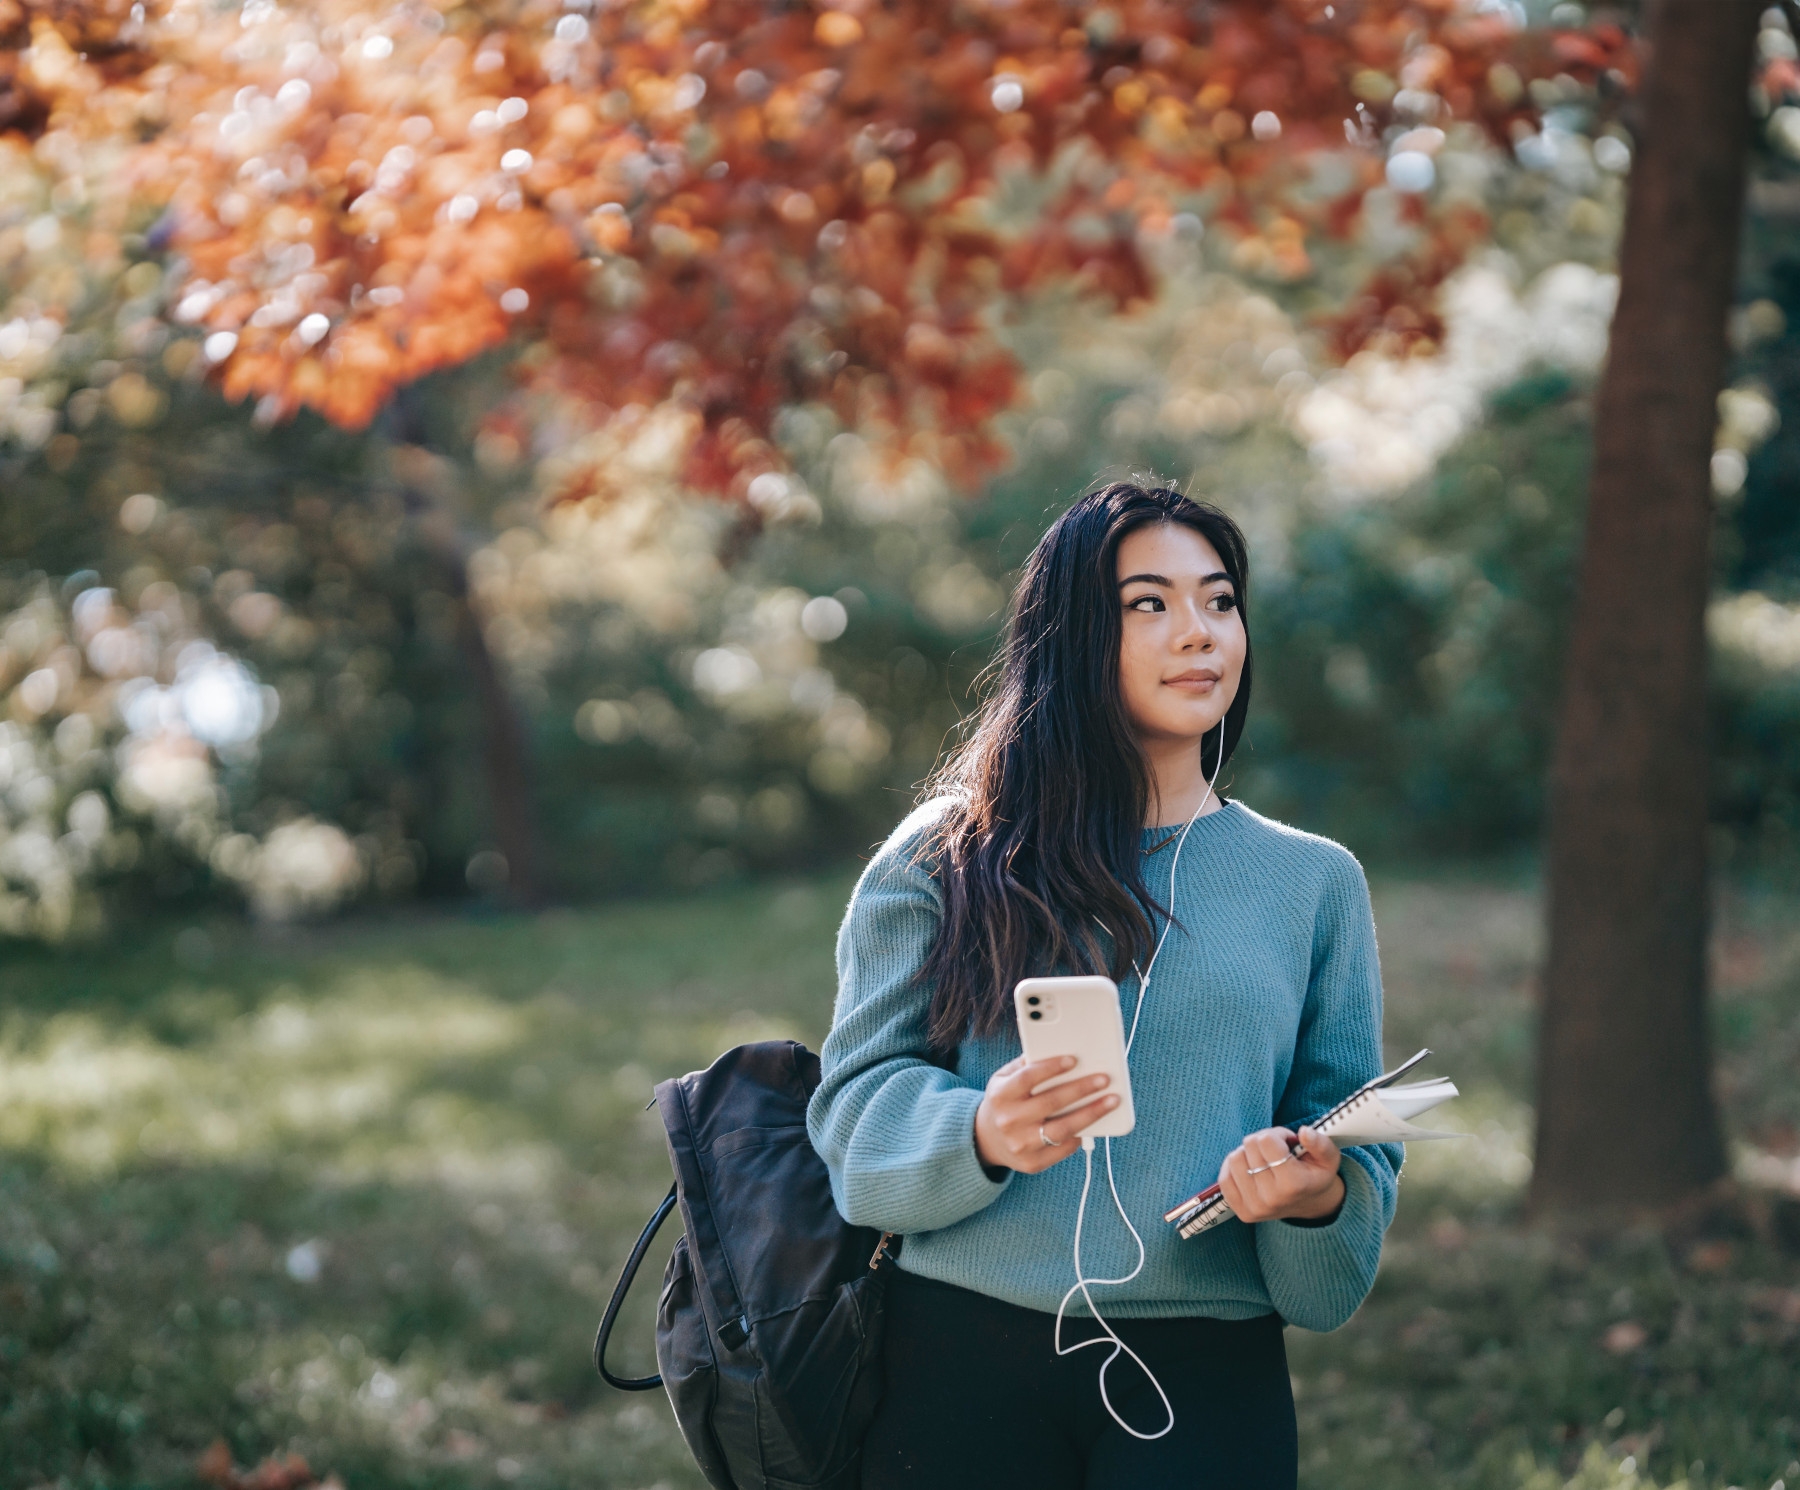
(626, 1275)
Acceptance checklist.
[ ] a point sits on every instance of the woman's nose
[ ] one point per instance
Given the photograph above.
(1196, 634)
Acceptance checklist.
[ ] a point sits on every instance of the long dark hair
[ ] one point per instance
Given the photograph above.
(1050, 788)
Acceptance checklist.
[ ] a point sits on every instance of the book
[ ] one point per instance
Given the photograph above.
(1380, 1111)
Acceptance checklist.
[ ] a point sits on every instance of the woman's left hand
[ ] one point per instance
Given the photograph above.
(1302, 1187)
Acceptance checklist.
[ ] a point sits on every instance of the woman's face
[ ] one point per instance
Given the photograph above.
(1183, 639)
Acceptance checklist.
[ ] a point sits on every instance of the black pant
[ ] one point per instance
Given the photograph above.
(975, 1396)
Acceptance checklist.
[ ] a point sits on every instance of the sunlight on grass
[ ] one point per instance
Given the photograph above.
(1599, 1471)
(363, 1198)
(335, 1077)
(362, 1195)
(1492, 1162)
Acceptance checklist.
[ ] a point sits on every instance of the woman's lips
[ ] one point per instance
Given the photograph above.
(1200, 682)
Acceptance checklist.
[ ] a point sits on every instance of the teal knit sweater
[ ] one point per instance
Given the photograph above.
(1264, 1007)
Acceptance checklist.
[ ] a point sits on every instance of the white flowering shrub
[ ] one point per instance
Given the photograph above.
(302, 868)
(117, 722)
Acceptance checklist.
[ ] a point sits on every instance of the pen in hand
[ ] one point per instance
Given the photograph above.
(1190, 1210)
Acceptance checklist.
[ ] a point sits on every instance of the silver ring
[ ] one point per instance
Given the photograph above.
(1047, 1142)
(1265, 1168)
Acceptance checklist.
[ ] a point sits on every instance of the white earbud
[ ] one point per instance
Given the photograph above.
(1082, 1284)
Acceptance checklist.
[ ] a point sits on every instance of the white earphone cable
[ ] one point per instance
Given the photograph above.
(1082, 1283)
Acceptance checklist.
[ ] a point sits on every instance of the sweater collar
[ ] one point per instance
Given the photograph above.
(1152, 840)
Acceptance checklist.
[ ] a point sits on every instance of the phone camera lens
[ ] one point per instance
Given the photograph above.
(1034, 1001)
(1037, 1014)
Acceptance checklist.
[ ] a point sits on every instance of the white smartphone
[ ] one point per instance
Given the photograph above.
(1079, 1017)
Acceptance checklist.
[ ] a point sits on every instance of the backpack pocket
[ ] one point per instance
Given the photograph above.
(826, 1358)
(690, 1372)
(785, 1242)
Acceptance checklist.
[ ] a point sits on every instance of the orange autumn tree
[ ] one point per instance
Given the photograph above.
(731, 206)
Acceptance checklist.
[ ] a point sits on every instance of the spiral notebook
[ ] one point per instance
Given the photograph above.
(1380, 1111)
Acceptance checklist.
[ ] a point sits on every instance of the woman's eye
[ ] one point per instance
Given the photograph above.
(1225, 602)
(1146, 604)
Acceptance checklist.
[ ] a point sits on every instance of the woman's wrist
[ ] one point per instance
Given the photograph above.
(1323, 1209)
(994, 1172)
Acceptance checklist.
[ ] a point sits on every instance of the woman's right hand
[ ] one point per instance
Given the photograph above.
(1011, 1124)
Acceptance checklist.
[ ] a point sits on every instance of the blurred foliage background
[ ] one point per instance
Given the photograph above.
(254, 664)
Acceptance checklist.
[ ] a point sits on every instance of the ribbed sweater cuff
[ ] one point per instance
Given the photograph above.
(1318, 1275)
(964, 1178)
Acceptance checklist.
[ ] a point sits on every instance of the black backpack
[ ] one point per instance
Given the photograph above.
(768, 1331)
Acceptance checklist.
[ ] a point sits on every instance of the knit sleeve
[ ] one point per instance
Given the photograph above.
(1317, 1276)
(897, 1133)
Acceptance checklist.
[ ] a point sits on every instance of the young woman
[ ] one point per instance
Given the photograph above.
(1049, 845)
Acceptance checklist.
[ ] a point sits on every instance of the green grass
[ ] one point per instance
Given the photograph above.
(359, 1193)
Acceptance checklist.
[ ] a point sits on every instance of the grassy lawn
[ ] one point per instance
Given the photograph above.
(358, 1193)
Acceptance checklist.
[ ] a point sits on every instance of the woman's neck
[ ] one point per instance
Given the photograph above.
(1177, 784)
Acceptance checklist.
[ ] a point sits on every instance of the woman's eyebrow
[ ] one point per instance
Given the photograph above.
(1163, 579)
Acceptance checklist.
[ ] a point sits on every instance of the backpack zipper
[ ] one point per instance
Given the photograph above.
(881, 1250)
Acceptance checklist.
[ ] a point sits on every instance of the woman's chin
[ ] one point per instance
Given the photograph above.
(1186, 730)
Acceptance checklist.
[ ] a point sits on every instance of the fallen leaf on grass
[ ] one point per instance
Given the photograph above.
(459, 1443)
(1783, 1303)
(277, 1472)
(214, 1466)
(1710, 1257)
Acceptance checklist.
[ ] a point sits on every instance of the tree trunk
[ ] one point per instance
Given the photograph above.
(506, 740)
(506, 752)
(427, 482)
(506, 745)
(1626, 1115)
